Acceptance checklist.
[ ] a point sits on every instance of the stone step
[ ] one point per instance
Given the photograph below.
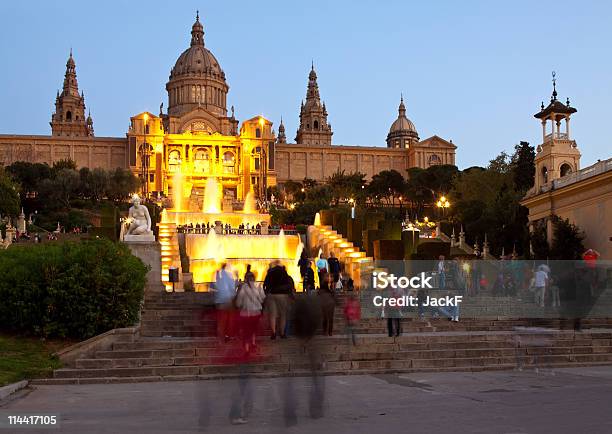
(386, 365)
(188, 358)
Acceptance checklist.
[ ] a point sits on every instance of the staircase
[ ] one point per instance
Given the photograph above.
(177, 342)
(170, 255)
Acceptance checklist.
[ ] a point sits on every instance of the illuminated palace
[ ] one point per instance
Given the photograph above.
(197, 137)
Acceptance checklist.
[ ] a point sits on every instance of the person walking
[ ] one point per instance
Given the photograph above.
(328, 303)
(352, 315)
(442, 272)
(540, 283)
(249, 275)
(278, 287)
(334, 267)
(250, 302)
(308, 282)
(225, 287)
(322, 267)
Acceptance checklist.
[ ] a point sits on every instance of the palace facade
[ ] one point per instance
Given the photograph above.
(196, 138)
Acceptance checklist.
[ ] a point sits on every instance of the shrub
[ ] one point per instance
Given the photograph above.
(70, 289)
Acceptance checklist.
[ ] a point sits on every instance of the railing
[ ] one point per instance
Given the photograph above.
(556, 136)
(588, 172)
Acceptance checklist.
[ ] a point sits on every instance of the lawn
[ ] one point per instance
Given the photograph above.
(26, 357)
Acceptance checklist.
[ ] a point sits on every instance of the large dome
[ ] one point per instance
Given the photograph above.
(197, 60)
(197, 80)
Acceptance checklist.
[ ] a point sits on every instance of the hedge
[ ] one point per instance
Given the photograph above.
(70, 289)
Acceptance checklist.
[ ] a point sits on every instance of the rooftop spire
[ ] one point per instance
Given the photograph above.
(197, 31)
(402, 107)
(554, 82)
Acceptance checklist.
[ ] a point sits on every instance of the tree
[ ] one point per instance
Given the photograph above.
(344, 187)
(60, 165)
(501, 163)
(28, 175)
(122, 183)
(387, 185)
(567, 240)
(523, 166)
(59, 190)
(9, 197)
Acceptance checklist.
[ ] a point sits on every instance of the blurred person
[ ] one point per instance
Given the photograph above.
(441, 267)
(278, 287)
(393, 315)
(303, 264)
(540, 282)
(554, 292)
(250, 303)
(308, 282)
(476, 275)
(249, 275)
(328, 303)
(225, 287)
(307, 321)
(352, 315)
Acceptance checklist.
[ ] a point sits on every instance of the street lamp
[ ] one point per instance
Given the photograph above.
(443, 203)
(262, 162)
(144, 162)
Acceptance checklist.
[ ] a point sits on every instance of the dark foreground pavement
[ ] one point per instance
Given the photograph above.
(572, 400)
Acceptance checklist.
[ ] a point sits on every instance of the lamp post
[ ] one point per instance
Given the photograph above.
(262, 163)
(443, 203)
(144, 162)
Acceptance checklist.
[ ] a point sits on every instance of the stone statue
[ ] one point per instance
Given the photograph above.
(138, 222)
(139, 218)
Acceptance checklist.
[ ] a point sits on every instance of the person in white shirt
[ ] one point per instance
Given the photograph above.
(540, 282)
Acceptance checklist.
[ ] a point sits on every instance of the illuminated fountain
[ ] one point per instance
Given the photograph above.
(249, 204)
(205, 252)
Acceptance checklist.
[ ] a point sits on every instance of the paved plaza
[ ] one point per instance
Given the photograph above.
(568, 400)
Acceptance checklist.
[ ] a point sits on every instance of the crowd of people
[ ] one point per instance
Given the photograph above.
(227, 229)
(241, 303)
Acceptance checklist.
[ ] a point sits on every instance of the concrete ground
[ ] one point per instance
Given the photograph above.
(570, 400)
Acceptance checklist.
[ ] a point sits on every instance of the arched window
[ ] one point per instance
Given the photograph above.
(174, 160)
(316, 125)
(69, 116)
(565, 169)
(545, 174)
(201, 161)
(229, 162)
(434, 160)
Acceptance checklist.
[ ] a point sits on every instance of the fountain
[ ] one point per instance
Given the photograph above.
(212, 202)
(249, 203)
(205, 252)
(177, 191)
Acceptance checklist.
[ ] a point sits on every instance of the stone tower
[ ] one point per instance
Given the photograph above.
(402, 133)
(558, 155)
(281, 138)
(314, 128)
(69, 117)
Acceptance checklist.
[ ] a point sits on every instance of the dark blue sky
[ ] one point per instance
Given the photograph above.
(473, 72)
